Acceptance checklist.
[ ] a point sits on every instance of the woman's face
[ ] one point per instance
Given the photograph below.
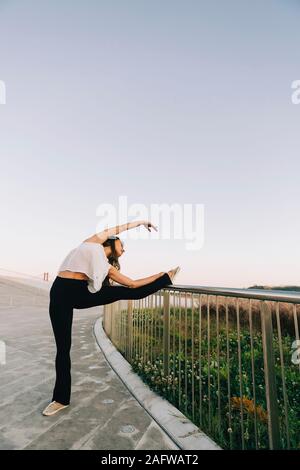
(119, 248)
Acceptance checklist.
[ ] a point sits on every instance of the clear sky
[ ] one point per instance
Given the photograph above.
(164, 102)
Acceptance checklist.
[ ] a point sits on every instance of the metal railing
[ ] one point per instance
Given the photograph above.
(19, 275)
(224, 357)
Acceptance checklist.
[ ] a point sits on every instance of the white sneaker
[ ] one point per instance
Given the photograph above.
(175, 272)
(53, 408)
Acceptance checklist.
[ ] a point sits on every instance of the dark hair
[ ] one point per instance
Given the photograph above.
(113, 258)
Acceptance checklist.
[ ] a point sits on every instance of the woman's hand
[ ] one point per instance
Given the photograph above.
(148, 225)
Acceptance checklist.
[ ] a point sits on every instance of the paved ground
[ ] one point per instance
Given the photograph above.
(103, 414)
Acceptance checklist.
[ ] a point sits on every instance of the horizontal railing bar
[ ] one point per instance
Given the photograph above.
(260, 294)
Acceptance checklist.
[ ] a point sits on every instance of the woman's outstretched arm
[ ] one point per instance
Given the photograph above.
(116, 276)
(101, 237)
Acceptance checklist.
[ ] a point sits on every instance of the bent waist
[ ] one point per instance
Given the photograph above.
(72, 275)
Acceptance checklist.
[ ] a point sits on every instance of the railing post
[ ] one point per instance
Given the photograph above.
(166, 333)
(105, 319)
(108, 319)
(113, 323)
(270, 381)
(129, 330)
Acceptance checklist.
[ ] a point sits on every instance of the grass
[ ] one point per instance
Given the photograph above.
(210, 377)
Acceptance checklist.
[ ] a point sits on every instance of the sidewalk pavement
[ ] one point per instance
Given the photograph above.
(103, 414)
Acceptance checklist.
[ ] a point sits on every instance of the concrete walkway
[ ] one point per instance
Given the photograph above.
(103, 414)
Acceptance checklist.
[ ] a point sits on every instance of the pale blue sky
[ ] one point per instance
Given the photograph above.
(164, 102)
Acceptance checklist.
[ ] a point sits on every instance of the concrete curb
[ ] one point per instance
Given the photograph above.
(179, 428)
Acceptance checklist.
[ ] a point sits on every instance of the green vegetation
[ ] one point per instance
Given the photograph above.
(287, 288)
(210, 377)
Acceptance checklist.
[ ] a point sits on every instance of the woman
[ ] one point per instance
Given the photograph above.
(84, 280)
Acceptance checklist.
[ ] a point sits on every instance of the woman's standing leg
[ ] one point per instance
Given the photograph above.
(109, 294)
(61, 315)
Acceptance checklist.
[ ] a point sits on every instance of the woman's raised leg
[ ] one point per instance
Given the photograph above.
(109, 294)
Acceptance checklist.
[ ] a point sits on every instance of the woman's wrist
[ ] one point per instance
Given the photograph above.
(134, 224)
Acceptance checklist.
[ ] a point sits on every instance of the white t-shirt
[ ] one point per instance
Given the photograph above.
(88, 258)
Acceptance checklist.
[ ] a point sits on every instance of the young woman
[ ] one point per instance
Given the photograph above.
(84, 280)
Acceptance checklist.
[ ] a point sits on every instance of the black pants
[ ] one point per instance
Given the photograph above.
(66, 294)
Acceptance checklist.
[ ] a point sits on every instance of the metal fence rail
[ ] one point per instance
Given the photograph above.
(227, 358)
